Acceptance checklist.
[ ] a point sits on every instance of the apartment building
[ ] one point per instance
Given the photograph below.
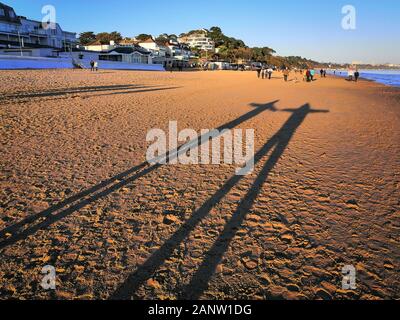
(17, 31)
(198, 40)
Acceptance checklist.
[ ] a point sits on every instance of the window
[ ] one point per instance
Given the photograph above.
(2, 13)
(11, 14)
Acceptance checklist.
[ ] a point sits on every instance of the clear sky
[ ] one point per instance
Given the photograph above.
(310, 28)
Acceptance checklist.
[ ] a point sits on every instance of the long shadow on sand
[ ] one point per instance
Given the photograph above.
(134, 91)
(199, 282)
(30, 225)
(118, 89)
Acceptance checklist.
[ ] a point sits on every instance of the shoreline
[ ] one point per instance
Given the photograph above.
(396, 85)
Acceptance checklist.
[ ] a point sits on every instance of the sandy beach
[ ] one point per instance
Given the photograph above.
(77, 194)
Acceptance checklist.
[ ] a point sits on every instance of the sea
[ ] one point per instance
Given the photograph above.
(386, 77)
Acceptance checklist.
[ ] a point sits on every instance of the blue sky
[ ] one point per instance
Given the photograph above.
(310, 28)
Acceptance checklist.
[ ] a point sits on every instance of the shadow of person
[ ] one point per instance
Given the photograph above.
(88, 92)
(278, 143)
(200, 280)
(42, 220)
(72, 90)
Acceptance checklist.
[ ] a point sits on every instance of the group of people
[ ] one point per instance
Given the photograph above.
(307, 75)
(94, 65)
(265, 73)
(310, 75)
(353, 75)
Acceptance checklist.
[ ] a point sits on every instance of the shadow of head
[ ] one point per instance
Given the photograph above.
(305, 109)
(266, 106)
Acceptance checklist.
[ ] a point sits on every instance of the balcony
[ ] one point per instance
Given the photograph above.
(23, 32)
(38, 32)
(6, 28)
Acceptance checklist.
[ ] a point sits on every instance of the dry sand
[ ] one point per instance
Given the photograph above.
(324, 194)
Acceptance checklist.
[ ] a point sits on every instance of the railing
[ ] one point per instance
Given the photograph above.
(26, 33)
(39, 32)
(22, 32)
(8, 30)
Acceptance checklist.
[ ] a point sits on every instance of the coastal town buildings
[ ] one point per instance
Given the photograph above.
(20, 36)
(159, 51)
(18, 32)
(128, 42)
(134, 54)
(127, 51)
(179, 51)
(99, 47)
(167, 53)
(198, 40)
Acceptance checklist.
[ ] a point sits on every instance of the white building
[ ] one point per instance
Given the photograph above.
(127, 55)
(100, 47)
(159, 51)
(198, 40)
(17, 32)
(157, 48)
(179, 51)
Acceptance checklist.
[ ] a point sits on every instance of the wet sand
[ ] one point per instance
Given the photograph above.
(77, 194)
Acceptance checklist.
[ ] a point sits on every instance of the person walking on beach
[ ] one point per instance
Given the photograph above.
(286, 73)
(269, 71)
(96, 66)
(308, 75)
(356, 76)
(322, 73)
(91, 65)
(258, 72)
(263, 73)
(312, 74)
(350, 75)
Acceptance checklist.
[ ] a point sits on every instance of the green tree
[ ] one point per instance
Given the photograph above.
(173, 37)
(86, 37)
(223, 53)
(163, 38)
(105, 37)
(263, 54)
(244, 53)
(115, 36)
(143, 37)
(217, 36)
(220, 39)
